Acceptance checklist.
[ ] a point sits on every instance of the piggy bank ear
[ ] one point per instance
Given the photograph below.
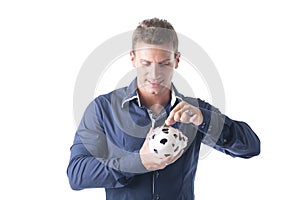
(185, 141)
(182, 140)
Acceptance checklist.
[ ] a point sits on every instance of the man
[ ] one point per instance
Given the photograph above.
(110, 148)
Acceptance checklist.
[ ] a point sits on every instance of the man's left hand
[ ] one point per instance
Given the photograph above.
(185, 113)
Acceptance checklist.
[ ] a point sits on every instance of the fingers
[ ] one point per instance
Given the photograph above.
(185, 113)
(151, 162)
(145, 147)
(149, 133)
(171, 159)
(196, 120)
(177, 113)
(171, 119)
(162, 163)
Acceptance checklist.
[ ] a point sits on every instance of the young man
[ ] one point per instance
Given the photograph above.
(110, 148)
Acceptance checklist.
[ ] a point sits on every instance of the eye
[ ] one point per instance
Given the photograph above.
(165, 64)
(145, 63)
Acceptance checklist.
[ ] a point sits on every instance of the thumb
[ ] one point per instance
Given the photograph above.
(149, 132)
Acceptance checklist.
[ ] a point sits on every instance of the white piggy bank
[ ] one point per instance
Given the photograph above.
(167, 141)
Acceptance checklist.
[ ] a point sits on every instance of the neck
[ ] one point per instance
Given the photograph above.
(155, 102)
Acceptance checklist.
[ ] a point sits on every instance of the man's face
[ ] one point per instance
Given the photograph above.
(155, 65)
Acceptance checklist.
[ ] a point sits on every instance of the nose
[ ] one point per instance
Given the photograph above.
(154, 71)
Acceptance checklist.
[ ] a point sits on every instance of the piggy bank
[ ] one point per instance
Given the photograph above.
(167, 141)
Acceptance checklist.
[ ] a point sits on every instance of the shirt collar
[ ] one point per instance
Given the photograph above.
(132, 94)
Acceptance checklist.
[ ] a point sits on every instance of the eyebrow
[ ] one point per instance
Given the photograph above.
(168, 59)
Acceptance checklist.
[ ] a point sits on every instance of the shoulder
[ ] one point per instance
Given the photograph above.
(115, 95)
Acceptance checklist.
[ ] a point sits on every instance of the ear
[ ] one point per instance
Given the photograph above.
(132, 55)
(177, 59)
(132, 58)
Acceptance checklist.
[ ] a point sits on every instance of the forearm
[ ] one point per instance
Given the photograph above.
(87, 171)
(95, 160)
(238, 140)
(228, 136)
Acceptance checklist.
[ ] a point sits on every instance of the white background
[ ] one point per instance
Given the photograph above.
(255, 46)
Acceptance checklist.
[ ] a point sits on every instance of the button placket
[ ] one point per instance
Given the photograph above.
(203, 125)
(157, 174)
(154, 179)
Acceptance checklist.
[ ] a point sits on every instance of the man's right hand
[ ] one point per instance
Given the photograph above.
(151, 161)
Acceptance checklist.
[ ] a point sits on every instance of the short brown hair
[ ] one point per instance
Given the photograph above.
(155, 31)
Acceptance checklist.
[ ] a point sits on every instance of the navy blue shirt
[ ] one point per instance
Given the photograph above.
(105, 152)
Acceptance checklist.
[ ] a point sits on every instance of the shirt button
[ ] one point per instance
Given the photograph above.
(203, 125)
(209, 128)
(157, 197)
(157, 174)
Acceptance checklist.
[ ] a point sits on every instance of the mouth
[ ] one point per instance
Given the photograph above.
(155, 84)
